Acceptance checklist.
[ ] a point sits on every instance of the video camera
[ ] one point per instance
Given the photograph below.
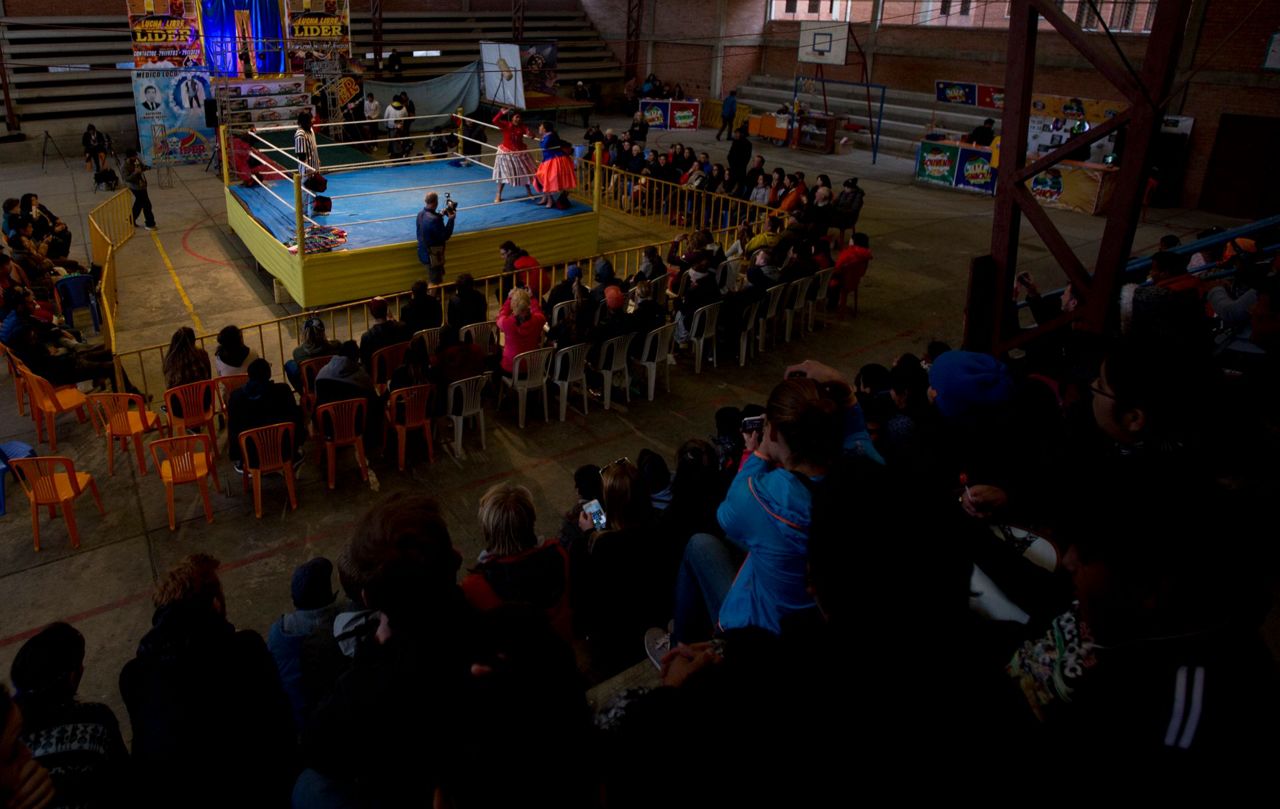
(450, 204)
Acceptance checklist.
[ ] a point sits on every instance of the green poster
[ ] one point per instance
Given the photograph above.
(936, 162)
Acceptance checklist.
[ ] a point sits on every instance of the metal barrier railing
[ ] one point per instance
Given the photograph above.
(275, 339)
(110, 226)
(667, 202)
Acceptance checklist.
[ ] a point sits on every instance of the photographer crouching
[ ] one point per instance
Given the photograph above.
(434, 229)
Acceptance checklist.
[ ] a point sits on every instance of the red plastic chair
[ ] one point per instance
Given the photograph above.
(124, 416)
(341, 424)
(407, 410)
(52, 480)
(264, 450)
(385, 361)
(185, 459)
(198, 404)
(308, 371)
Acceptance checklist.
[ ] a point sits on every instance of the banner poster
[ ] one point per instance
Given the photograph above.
(1074, 108)
(1075, 189)
(170, 109)
(655, 113)
(538, 62)
(266, 101)
(165, 33)
(685, 115)
(956, 92)
(318, 30)
(936, 163)
(974, 171)
(990, 97)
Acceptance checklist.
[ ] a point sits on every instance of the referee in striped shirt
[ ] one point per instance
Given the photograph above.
(305, 149)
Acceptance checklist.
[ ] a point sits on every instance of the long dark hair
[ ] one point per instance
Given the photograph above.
(185, 362)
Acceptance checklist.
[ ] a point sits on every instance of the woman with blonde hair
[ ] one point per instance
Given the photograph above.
(521, 321)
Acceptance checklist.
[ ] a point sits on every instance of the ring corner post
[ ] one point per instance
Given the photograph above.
(222, 150)
(596, 175)
(299, 218)
(458, 113)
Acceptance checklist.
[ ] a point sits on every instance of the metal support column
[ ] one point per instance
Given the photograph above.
(991, 325)
(635, 16)
(375, 23)
(518, 9)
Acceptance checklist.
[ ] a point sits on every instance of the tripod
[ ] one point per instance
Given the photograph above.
(44, 151)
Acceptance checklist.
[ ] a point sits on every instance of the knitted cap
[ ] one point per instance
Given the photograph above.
(312, 584)
(613, 297)
(967, 381)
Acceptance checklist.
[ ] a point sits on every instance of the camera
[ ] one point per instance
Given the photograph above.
(450, 205)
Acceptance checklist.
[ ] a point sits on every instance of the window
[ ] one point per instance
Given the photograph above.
(964, 8)
(815, 6)
(791, 6)
(1122, 15)
(824, 10)
(945, 8)
(1085, 17)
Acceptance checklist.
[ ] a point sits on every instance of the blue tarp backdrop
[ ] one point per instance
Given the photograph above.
(445, 94)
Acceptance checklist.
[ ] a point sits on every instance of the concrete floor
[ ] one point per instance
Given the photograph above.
(922, 238)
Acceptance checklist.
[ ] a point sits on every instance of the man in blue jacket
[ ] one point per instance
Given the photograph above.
(728, 111)
(434, 229)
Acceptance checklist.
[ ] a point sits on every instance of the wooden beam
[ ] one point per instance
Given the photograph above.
(1052, 238)
(1090, 47)
(1058, 155)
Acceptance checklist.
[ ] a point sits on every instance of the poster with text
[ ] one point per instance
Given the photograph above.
(655, 113)
(169, 105)
(685, 115)
(165, 34)
(936, 163)
(974, 171)
(990, 97)
(502, 77)
(1069, 187)
(538, 63)
(956, 92)
(319, 30)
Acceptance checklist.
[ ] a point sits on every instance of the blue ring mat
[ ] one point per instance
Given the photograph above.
(439, 174)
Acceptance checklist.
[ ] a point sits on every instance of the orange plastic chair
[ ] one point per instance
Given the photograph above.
(47, 402)
(52, 480)
(273, 445)
(228, 385)
(385, 361)
(117, 414)
(185, 459)
(198, 404)
(16, 368)
(407, 410)
(341, 424)
(309, 370)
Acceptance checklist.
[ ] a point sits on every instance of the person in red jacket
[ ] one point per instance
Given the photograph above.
(514, 568)
(521, 321)
(512, 165)
(851, 265)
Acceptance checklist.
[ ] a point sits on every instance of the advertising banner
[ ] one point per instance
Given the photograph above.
(170, 109)
(269, 101)
(974, 171)
(538, 62)
(1070, 187)
(956, 92)
(1073, 108)
(990, 97)
(165, 34)
(656, 113)
(685, 115)
(936, 163)
(318, 30)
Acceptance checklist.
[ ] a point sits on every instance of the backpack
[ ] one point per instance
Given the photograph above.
(321, 204)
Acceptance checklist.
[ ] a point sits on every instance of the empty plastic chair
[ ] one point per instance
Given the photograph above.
(613, 360)
(571, 366)
(192, 407)
(793, 304)
(185, 459)
(744, 338)
(484, 334)
(654, 353)
(48, 402)
(769, 314)
(228, 385)
(264, 450)
(8, 451)
(78, 292)
(816, 298)
(407, 411)
(20, 390)
(52, 481)
(529, 372)
(462, 400)
(341, 424)
(124, 417)
(385, 361)
(701, 330)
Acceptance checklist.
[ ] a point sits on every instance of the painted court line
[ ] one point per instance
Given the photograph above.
(182, 293)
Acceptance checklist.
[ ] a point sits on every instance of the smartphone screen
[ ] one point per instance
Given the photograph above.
(595, 511)
(753, 424)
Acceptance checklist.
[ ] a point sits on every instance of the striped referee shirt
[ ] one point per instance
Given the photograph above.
(304, 148)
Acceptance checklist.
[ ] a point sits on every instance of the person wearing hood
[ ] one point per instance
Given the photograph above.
(260, 402)
(396, 125)
(563, 292)
(302, 642)
(205, 702)
(702, 290)
(344, 377)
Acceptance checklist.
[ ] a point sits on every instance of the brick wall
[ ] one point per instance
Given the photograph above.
(83, 8)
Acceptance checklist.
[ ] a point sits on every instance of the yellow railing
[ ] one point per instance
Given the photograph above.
(110, 226)
(276, 339)
(671, 203)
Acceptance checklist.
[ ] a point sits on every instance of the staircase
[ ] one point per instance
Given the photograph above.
(908, 116)
(63, 70)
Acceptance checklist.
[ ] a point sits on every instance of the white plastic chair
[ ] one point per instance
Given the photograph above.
(561, 310)
(770, 315)
(658, 342)
(534, 365)
(485, 335)
(744, 339)
(613, 360)
(701, 330)
(463, 401)
(817, 296)
(794, 305)
(432, 336)
(676, 294)
(571, 366)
